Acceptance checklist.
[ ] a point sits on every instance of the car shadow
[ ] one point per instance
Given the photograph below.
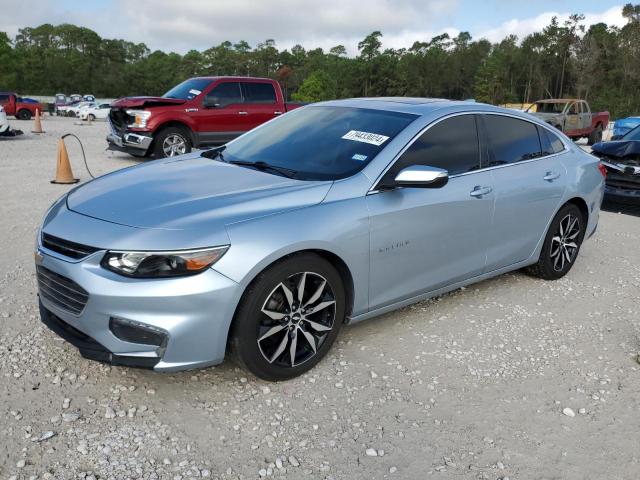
(623, 208)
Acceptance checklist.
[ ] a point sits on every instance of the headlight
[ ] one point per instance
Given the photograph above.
(162, 264)
(140, 118)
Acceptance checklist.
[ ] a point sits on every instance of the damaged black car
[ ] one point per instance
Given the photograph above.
(621, 158)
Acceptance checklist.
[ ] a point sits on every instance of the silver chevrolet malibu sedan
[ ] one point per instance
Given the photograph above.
(331, 214)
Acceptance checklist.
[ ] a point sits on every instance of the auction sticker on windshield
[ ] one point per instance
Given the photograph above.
(365, 137)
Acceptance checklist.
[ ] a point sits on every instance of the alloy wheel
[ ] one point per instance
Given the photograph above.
(174, 145)
(296, 318)
(564, 244)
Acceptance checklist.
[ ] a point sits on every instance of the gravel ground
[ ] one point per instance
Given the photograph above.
(511, 378)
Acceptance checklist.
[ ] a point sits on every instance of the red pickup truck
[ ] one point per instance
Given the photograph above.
(14, 105)
(201, 111)
(573, 117)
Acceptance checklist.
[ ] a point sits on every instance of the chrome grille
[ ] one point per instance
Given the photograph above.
(61, 291)
(66, 248)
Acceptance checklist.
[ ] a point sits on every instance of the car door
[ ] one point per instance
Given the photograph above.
(103, 110)
(585, 116)
(260, 104)
(529, 183)
(572, 118)
(422, 239)
(223, 120)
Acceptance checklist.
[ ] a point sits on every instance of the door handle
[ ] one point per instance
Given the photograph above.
(551, 176)
(243, 113)
(277, 113)
(480, 191)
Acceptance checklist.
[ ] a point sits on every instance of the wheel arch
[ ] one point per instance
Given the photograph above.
(335, 260)
(581, 204)
(174, 123)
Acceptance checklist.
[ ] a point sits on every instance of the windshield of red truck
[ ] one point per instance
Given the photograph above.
(189, 89)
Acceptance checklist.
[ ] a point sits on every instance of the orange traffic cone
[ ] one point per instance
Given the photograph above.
(63, 169)
(37, 126)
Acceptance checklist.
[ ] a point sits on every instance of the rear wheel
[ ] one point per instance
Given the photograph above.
(561, 245)
(172, 141)
(289, 317)
(595, 136)
(23, 115)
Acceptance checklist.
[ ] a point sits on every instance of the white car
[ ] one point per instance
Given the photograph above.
(96, 111)
(76, 109)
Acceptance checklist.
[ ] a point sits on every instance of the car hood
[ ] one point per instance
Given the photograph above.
(191, 192)
(618, 148)
(128, 102)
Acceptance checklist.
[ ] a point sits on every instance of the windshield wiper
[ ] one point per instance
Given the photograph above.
(260, 165)
(214, 153)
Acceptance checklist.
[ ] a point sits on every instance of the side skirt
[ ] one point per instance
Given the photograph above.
(434, 293)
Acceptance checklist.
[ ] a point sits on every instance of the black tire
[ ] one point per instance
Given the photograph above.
(71, 114)
(595, 136)
(23, 114)
(164, 135)
(550, 265)
(91, 117)
(255, 336)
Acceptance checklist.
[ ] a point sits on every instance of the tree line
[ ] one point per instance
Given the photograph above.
(600, 63)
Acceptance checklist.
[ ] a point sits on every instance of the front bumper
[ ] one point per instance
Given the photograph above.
(129, 142)
(193, 312)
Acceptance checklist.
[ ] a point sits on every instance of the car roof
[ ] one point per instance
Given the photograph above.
(413, 105)
(232, 77)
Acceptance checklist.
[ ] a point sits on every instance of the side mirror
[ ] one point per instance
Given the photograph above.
(417, 176)
(211, 102)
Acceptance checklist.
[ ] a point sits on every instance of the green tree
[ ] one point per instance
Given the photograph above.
(317, 87)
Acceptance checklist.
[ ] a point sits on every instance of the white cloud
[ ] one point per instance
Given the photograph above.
(523, 27)
(193, 23)
(199, 24)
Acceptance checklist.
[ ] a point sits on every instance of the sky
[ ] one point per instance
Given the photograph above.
(180, 26)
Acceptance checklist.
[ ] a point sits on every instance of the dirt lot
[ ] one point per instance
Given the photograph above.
(471, 385)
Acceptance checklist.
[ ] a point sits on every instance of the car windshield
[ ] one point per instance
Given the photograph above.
(544, 107)
(320, 142)
(189, 89)
(632, 134)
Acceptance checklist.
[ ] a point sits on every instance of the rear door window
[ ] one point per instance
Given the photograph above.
(451, 144)
(511, 140)
(259, 92)
(551, 143)
(227, 93)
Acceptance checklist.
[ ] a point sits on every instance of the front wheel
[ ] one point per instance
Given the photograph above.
(561, 245)
(170, 142)
(289, 317)
(23, 115)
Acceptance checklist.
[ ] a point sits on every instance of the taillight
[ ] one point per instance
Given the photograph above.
(602, 168)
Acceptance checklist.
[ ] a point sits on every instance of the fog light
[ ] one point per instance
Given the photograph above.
(136, 332)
